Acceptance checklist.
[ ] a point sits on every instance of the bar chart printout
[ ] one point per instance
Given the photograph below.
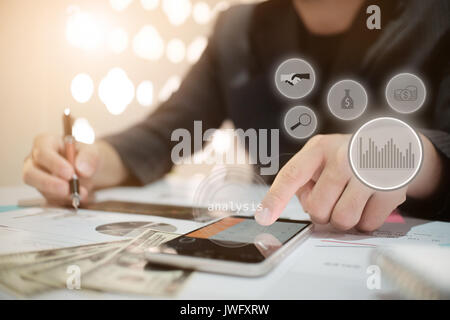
(389, 156)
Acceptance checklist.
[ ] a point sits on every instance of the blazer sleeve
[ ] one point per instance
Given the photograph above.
(145, 148)
(438, 206)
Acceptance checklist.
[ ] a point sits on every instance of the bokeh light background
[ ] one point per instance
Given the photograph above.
(111, 61)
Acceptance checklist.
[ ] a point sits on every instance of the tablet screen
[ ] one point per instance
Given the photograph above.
(236, 238)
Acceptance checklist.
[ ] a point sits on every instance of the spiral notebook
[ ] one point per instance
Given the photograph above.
(419, 272)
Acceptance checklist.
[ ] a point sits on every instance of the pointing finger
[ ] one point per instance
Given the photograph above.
(296, 173)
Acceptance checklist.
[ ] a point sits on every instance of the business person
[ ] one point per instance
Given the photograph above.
(234, 79)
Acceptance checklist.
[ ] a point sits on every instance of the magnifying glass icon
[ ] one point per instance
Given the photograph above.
(303, 120)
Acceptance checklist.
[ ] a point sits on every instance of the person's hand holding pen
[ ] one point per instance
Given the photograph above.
(50, 172)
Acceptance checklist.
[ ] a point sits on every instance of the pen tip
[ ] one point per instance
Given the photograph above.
(75, 203)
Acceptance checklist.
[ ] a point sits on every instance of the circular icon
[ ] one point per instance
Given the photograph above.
(405, 93)
(295, 78)
(385, 153)
(347, 99)
(300, 122)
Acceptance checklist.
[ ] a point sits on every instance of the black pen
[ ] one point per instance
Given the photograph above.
(69, 145)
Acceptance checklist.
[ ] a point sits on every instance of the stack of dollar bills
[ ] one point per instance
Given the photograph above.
(118, 267)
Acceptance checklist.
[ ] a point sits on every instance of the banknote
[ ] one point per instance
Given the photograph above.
(129, 271)
(15, 268)
(11, 281)
(24, 258)
(56, 275)
(123, 269)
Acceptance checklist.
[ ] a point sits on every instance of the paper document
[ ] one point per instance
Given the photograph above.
(34, 229)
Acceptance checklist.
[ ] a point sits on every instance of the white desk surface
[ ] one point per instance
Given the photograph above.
(329, 265)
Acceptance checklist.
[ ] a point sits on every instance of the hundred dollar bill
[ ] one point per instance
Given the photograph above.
(123, 270)
(55, 275)
(129, 271)
(14, 260)
(14, 274)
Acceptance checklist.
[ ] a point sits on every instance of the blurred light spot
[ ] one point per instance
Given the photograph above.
(177, 11)
(144, 93)
(148, 44)
(221, 141)
(220, 6)
(196, 48)
(171, 85)
(120, 5)
(83, 30)
(176, 50)
(202, 12)
(149, 4)
(82, 87)
(118, 40)
(82, 131)
(116, 91)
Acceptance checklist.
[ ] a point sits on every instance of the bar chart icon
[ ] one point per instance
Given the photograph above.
(385, 153)
(389, 156)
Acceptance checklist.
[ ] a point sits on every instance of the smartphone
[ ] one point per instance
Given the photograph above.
(235, 245)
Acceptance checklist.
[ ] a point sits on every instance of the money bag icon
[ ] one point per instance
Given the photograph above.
(347, 101)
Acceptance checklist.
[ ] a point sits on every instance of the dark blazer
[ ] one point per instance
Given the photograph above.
(233, 79)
